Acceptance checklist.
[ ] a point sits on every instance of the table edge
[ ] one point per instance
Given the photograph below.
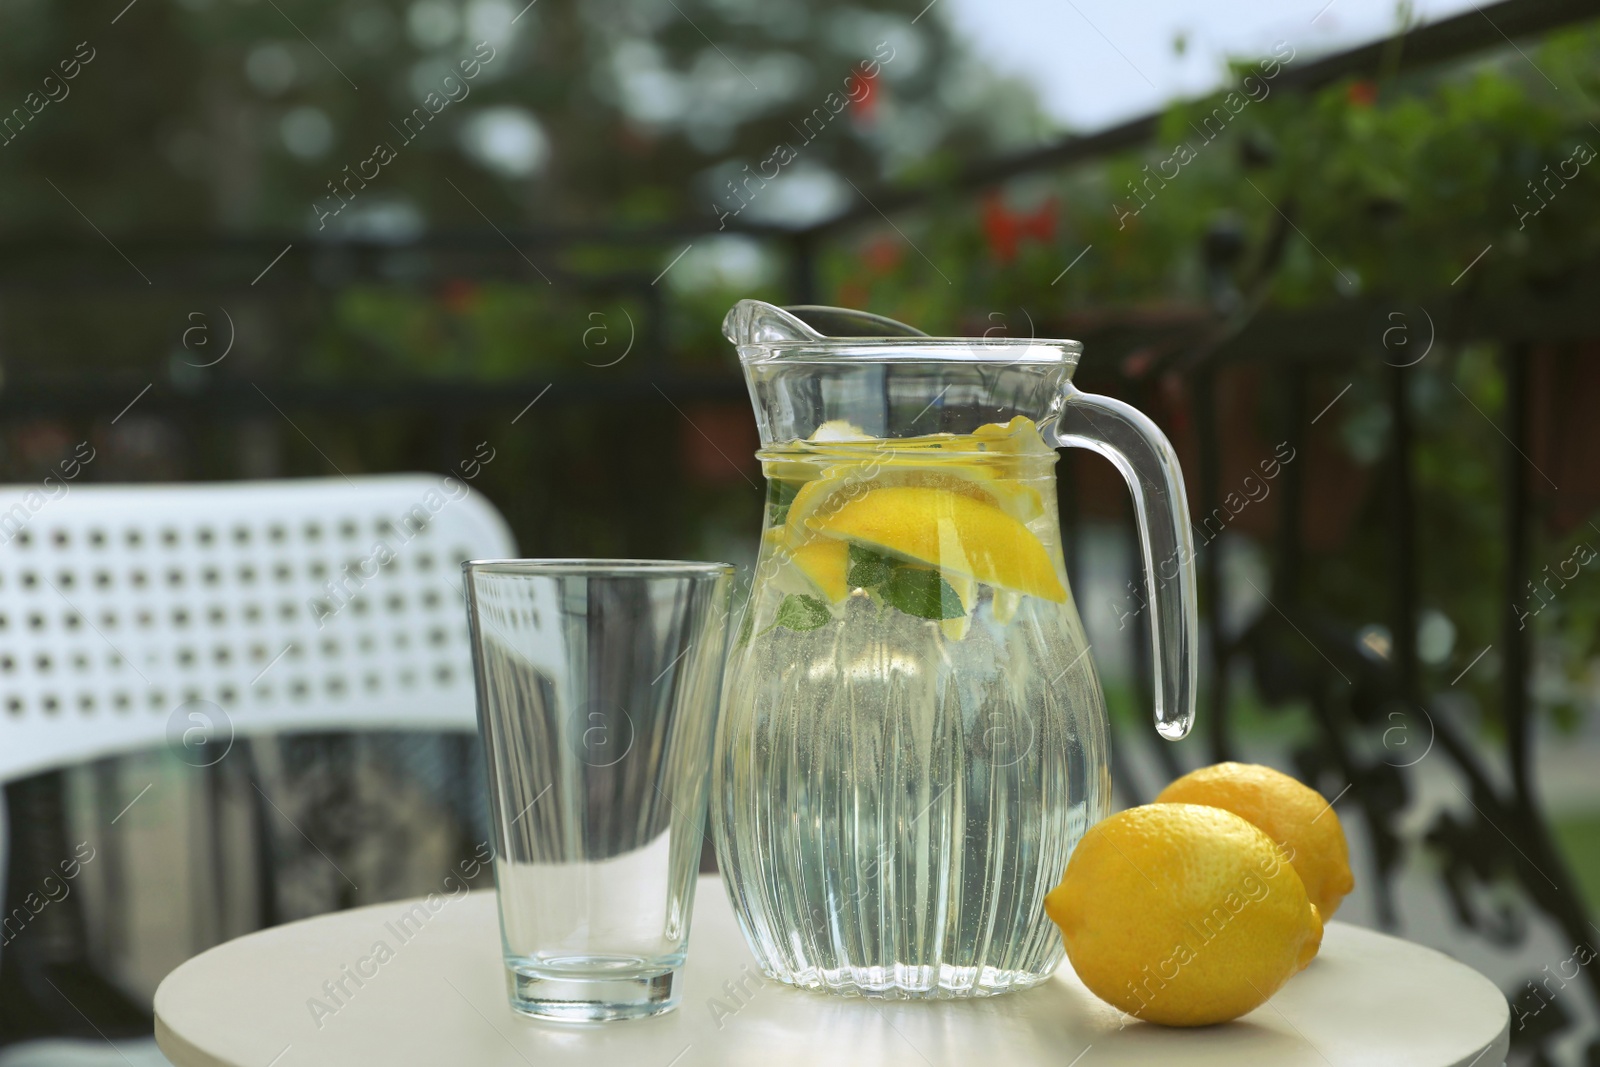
(185, 1054)
(180, 1051)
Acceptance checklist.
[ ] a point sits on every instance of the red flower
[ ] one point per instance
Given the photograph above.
(459, 295)
(1362, 93)
(1004, 229)
(1138, 362)
(882, 254)
(867, 106)
(853, 294)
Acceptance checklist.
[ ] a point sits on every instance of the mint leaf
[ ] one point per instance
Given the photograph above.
(748, 624)
(802, 613)
(923, 593)
(868, 569)
(784, 492)
(913, 589)
(780, 495)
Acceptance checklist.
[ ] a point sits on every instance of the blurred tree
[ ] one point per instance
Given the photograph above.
(251, 115)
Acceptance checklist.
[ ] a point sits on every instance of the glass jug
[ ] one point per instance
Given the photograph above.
(913, 736)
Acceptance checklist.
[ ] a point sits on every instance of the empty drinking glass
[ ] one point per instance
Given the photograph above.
(598, 683)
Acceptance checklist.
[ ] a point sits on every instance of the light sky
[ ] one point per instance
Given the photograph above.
(1096, 63)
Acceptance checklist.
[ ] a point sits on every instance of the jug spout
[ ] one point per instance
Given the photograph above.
(810, 366)
(755, 322)
(751, 322)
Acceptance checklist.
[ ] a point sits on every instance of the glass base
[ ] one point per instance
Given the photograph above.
(913, 982)
(593, 989)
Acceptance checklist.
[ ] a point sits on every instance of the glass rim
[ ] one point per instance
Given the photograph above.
(1029, 351)
(578, 566)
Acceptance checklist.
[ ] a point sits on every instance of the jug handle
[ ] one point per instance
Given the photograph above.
(1139, 449)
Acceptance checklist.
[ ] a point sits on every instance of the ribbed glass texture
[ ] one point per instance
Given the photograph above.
(892, 802)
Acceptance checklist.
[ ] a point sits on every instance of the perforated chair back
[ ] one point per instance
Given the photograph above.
(132, 616)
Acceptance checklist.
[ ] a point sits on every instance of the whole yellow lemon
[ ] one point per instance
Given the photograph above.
(1291, 813)
(1183, 914)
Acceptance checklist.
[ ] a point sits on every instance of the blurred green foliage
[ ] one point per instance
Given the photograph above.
(1374, 190)
(215, 118)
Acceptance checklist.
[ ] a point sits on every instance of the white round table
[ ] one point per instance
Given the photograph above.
(439, 997)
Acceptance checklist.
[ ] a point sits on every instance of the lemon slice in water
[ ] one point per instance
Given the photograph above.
(825, 562)
(844, 482)
(952, 531)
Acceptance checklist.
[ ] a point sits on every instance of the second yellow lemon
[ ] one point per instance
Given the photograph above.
(1292, 814)
(1183, 914)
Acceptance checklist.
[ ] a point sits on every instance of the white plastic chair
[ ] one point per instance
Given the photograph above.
(190, 615)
